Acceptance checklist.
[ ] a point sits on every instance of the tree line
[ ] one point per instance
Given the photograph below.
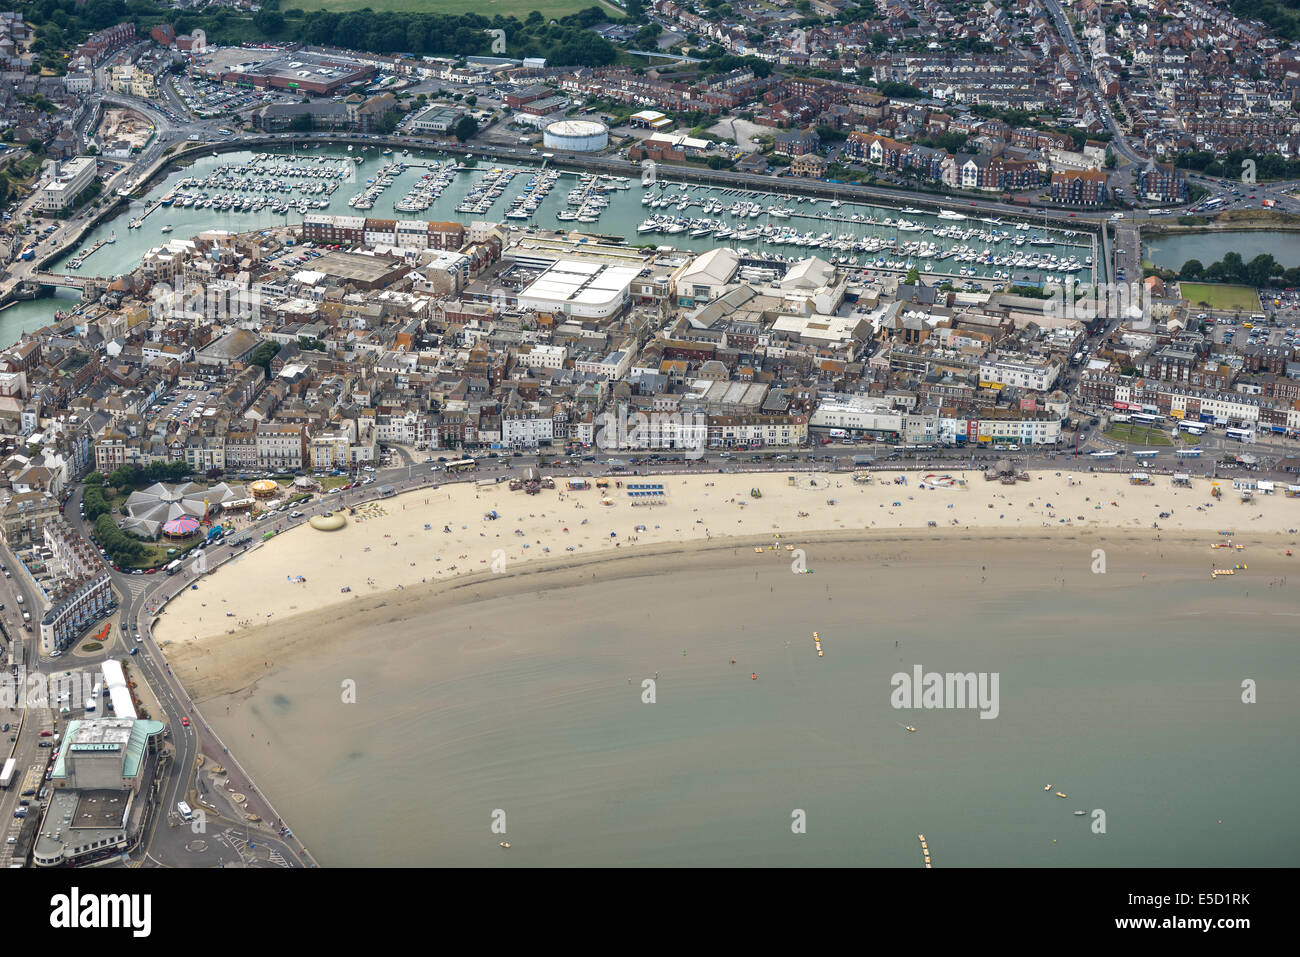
(61, 24)
(1263, 270)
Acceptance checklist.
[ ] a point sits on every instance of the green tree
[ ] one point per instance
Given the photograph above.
(268, 22)
(1192, 269)
(263, 355)
(465, 129)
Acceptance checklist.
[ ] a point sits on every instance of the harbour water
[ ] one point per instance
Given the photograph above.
(615, 208)
(1123, 692)
(1170, 252)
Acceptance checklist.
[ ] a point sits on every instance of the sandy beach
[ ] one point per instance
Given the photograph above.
(414, 546)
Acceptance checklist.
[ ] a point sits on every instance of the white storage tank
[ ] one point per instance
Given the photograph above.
(577, 136)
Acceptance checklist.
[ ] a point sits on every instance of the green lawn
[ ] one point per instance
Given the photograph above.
(487, 8)
(1142, 435)
(1218, 296)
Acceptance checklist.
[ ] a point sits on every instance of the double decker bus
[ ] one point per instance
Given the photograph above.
(462, 465)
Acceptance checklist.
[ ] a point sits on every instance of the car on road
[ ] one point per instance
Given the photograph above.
(185, 722)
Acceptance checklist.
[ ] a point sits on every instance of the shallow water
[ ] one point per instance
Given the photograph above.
(1124, 693)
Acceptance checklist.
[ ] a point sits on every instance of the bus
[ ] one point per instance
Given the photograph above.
(1102, 455)
(1193, 428)
(173, 567)
(1240, 435)
(1145, 454)
(185, 812)
(462, 465)
(226, 132)
(1145, 418)
(1212, 203)
(1188, 453)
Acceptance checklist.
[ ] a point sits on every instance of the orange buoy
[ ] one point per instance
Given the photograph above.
(754, 676)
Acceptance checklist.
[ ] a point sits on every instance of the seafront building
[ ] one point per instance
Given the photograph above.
(104, 784)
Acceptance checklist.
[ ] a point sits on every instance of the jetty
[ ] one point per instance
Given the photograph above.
(139, 220)
(76, 261)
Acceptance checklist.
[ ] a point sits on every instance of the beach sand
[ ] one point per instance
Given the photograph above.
(253, 615)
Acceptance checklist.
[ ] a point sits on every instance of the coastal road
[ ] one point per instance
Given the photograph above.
(139, 594)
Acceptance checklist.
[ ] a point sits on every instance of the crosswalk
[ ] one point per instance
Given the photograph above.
(136, 586)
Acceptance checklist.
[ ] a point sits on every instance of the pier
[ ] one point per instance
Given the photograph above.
(76, 261)
(139, 220)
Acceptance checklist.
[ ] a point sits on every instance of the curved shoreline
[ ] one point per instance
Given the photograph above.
(230, 654)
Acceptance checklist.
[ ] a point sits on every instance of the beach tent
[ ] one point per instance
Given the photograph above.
(181, 527)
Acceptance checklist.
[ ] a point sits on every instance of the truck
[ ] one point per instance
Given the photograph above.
(1268, 203)
(7, 775)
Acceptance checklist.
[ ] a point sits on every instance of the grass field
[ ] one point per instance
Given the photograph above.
(1142, 435)
(1218, 296)
(488, 8)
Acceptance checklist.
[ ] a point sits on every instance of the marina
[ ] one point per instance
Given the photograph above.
(242, 191)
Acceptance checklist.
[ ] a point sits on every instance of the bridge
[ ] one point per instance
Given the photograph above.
(70, 282)
(667, 56)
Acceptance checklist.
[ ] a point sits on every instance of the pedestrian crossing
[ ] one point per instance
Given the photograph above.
(136, 586)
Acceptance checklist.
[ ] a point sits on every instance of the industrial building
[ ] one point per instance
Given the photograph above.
(282, 70)
(577, 136)
(588, 290)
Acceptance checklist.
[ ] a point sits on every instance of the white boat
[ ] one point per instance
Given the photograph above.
(166, 229)
(949, 214)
